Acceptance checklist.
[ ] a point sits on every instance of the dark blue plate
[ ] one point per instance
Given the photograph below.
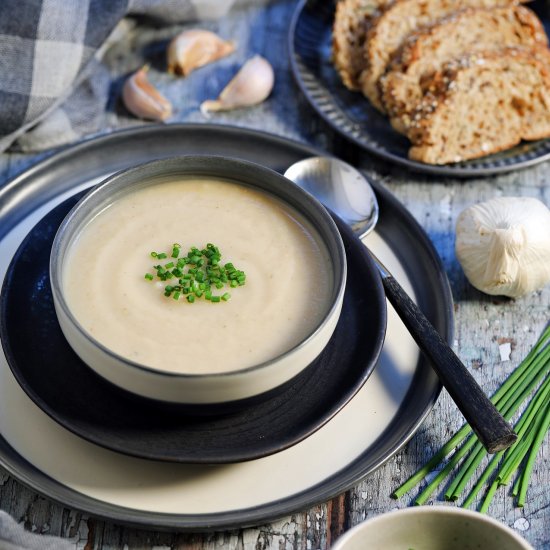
(353, 116)
(57, 380)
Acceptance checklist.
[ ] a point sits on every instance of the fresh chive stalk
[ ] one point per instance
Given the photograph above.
(483, 479)
(541, 432)
(528, 386)
(198, 272)
(478, 454)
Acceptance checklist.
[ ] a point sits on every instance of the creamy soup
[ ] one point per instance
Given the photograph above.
(286, 294)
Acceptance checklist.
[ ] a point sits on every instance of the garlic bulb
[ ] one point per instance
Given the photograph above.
(194, 48)
(503, 245)
(143, 99)
(250, 86)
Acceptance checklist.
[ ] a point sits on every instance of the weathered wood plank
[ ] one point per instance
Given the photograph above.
(482, 322)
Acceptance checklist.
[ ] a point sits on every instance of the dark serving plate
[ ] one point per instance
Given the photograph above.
(57, 380)
(353, 116)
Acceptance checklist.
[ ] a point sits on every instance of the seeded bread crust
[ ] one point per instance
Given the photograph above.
(467, 31)
(349, 31)
(389, 30)
(482, 103)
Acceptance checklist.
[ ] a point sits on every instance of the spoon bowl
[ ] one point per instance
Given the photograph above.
(343, 189)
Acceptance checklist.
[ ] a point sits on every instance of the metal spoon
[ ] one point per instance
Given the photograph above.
(346, 191)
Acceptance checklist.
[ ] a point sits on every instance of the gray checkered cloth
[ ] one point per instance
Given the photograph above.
(14, 537)
(49, 50)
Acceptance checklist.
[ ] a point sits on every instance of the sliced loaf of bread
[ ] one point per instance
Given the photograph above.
(395, 23)
(464, 32)
(482, 103)
(349, 30)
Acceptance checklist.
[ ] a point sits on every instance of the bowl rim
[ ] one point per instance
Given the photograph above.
(166, 166)
(437, 510)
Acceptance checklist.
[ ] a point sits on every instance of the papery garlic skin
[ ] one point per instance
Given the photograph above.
(250, 86)
(503, 245)
(195, 48)
(142, 99)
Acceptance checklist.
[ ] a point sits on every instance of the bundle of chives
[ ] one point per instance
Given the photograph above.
(531, 428)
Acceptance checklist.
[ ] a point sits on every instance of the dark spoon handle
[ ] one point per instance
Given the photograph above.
(491, 428)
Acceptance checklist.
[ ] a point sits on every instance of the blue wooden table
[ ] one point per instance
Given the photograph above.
(483, 324)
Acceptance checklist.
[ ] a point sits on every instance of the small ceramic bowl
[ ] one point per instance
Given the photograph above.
(198, 388)
(431, 528)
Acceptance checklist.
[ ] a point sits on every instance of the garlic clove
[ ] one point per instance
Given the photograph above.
(142, 99)
(250, 86)
(194, 48)
(503, 245)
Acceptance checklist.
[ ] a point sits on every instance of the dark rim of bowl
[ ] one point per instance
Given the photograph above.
(202, 165)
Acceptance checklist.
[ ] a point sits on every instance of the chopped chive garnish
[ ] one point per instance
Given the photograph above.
(197, 272)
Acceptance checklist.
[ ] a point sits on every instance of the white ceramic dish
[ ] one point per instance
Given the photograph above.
(208, 387)
(431, 528)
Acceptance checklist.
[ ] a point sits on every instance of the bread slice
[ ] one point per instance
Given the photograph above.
(481, 104)
(349, 30)
(389, 30)
(467, 31)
